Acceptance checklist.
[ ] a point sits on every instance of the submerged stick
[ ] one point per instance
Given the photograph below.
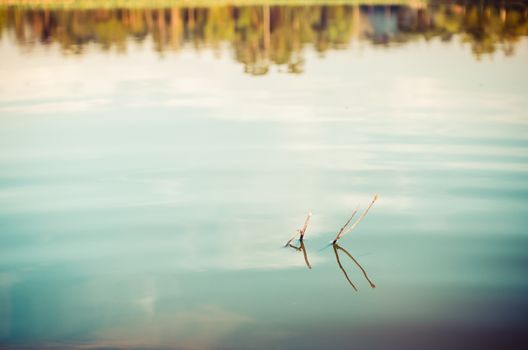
(341, 232)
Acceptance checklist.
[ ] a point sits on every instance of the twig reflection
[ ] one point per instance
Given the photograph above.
(337, 248)
(302, 249)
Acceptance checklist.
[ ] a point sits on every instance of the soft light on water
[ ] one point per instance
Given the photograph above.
(153, 163)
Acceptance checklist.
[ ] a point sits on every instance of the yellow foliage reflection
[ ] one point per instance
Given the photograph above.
(263, 36)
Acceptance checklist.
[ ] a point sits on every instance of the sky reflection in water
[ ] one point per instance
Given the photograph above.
(147, 183)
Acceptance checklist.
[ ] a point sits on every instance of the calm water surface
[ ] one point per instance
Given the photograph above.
(154, 161)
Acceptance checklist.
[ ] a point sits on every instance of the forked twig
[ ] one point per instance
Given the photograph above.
(301, 231)
(343, 232)
(291, 239)
(348, 222)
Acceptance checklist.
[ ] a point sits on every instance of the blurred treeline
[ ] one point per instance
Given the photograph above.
(91, 4)
(261, 36)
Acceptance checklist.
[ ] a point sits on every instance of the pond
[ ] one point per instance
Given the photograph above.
(155, 158)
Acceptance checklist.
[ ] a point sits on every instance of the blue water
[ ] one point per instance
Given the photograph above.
(145, 198)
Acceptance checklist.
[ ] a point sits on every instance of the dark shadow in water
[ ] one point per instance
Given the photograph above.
(337, 248)
(302, 249)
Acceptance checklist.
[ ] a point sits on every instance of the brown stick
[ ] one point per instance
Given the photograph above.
(301, 231)
(306, 222)
(346, 224)
(341, 232)
(291, 239)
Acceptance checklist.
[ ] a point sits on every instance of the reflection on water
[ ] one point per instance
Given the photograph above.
(336, 249)
(301, 248)
(262, 36)
(144, 194)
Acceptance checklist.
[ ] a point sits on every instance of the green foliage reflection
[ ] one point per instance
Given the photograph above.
(263, 36)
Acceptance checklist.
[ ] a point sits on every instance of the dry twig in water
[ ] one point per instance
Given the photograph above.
(301, 231)
(342, 231)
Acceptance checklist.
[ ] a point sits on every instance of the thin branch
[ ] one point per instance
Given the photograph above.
(306, 222)
(345, 225)
(291, 239)
(301, 231)
(341, 232)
